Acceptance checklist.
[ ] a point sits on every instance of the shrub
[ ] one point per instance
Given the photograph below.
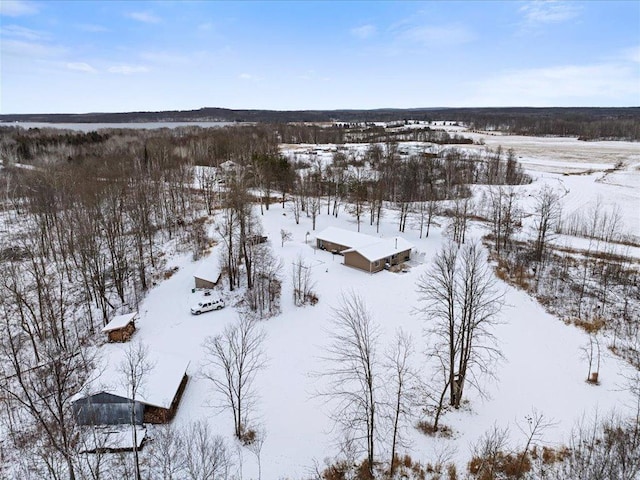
(428, 429)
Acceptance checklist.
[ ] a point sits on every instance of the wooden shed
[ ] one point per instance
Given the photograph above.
(121, 327)
(107, 400)
(207, 275)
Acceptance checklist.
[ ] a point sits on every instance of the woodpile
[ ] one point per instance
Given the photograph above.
(122, 334)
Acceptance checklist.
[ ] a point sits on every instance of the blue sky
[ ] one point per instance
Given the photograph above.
(82, 56)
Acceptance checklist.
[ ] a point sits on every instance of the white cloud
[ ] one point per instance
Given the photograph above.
(364, 31)
(165, 58)
(205, 27)
(245, 76)
(144, 17)
(81, 67)
(22, 32)
(90, 27)
(17, 8)
(545, 12)
(30, 49)
(437, 35)
(127, 69)
(632, 54)
(611, 84)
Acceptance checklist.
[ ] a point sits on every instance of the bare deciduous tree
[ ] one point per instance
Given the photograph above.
(264, 298)
(285, 236)
(303, 284)
(206, 456)
(353, 373)
(166, 453)
(233, 359)
(459, 301)
(134, 369)
(547, 213)
(503, 215)
(401, 385)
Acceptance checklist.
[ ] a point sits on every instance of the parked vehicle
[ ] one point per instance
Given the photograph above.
(207, 305)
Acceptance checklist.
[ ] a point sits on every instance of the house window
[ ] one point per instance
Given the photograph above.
(376, 263)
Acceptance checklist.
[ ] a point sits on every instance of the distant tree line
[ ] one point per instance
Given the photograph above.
(588, 123)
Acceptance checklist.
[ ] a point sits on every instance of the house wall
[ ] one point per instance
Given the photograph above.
(401, 257)
(354, 259)
(122, 334)
(330, 246)
(106, 409)
(202, 283)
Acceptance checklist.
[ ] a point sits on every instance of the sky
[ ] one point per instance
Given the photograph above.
(111, 56)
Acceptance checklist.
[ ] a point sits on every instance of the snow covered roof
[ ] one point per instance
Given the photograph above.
(371, 248)
(159, 386)
(345, 237)
(111, 438)
(209, 270)
(119, 321)
(382, 248)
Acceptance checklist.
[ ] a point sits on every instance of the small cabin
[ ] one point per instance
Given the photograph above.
(121, 327)
(207, 275)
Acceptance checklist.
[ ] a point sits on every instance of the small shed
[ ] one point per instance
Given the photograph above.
(106, 401)
(207, 274)
(121, 327)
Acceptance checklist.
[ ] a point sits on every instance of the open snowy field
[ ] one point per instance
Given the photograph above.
(543, 368)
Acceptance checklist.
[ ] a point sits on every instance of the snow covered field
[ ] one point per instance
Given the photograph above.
(543, 368)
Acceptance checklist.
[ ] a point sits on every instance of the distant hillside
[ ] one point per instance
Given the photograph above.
(380, 115)
(585, 122)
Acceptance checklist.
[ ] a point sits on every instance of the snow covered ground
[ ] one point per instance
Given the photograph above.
(543, 368)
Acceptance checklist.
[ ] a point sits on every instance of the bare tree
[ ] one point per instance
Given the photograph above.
(357, 190)
(166, 453)
(233, 359)
(206, 456)
(134, 369)
(537, 424)
(601, 448)
(460, 218)
(592, 354)
(546, 213)
(402, 388)
(353, 373)
(459, 301)
(264, 298)
(303, 283)
(45, 357)
(255, 447)
(503, 214)
(285, 236)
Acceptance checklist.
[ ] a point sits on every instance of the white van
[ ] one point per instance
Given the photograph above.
(207, 305)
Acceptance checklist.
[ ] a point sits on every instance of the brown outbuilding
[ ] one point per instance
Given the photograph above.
(121, 327)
